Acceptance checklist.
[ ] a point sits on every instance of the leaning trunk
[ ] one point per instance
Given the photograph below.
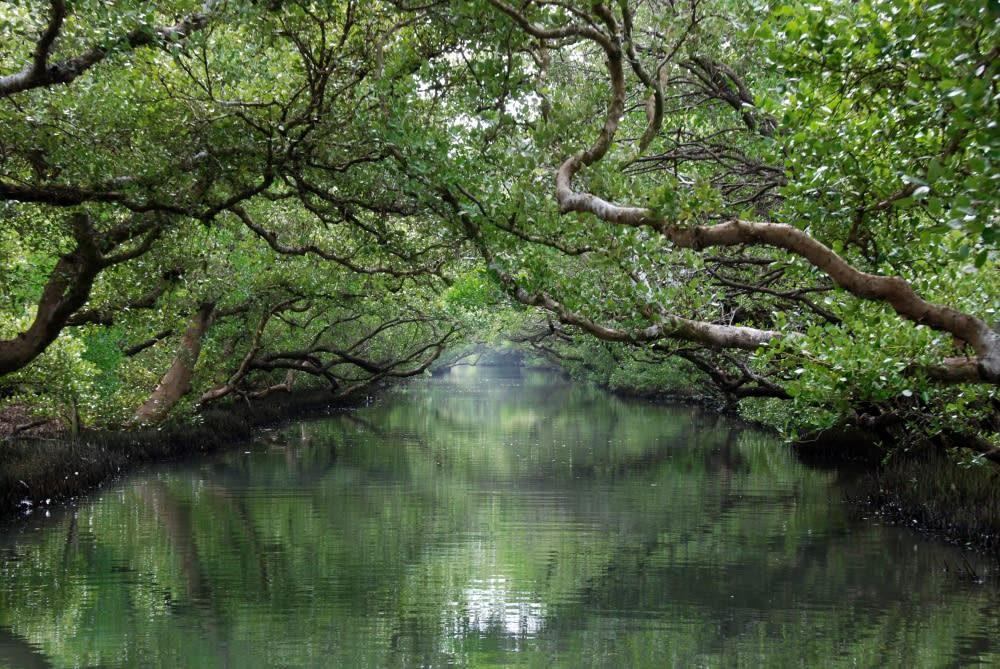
(177, 381)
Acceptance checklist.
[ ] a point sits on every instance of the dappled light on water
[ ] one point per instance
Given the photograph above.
(490, 605)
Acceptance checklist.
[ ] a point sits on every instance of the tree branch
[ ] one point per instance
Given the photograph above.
(39, 73)
(894, 291)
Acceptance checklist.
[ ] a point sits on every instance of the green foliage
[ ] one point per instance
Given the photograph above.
(672, 378)
(679, 202)
(321, 171)
(888, 100)
(59, 384)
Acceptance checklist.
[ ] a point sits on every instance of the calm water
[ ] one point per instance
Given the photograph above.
(489, 520)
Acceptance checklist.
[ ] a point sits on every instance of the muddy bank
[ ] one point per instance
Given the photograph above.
(928, 491)
(920, 487)
(48, 468)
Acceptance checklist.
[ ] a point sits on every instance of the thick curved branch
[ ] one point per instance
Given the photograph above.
(70, 196)
(894, 291)
(654, 105)
(655, 81)
(70, 282)
(669, 327)
(67, 289)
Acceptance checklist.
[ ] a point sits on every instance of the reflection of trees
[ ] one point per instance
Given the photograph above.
(644, 519)
(491, 429)
(16, 652)
(175, 520)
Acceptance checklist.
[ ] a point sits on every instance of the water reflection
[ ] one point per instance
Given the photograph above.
(487, 521)
(492, 606)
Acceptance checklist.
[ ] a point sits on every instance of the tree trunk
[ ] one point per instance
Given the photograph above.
(68, 286)
(66, 290)
(177, 381)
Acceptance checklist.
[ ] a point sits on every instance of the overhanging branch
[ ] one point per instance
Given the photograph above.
(40, 72)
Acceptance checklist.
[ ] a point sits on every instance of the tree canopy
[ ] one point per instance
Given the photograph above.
(795, 206)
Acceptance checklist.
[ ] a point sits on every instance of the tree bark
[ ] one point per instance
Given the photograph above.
(66, 290)
(177, 381)
(892, 290)
(70, 282)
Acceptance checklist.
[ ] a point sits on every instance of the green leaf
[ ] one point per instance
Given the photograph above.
(934, 170)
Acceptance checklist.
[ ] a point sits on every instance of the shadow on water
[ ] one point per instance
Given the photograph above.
(16, 652)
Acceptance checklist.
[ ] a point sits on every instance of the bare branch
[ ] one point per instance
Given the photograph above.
(136, 349)
(230, 384)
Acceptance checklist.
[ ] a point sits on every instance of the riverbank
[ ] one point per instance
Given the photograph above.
(48, 468)
(934, 495)
(921, 489)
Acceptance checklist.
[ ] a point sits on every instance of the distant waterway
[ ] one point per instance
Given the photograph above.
(489, 518)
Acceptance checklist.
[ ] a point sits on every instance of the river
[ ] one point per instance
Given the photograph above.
(489, 518)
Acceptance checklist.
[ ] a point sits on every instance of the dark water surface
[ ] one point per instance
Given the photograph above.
(489, 519)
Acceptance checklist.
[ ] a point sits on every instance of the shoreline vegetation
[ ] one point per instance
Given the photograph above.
(52, 468)
(920, 488)
(737, 200)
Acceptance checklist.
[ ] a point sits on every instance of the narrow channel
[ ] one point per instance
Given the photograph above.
(489, 518)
